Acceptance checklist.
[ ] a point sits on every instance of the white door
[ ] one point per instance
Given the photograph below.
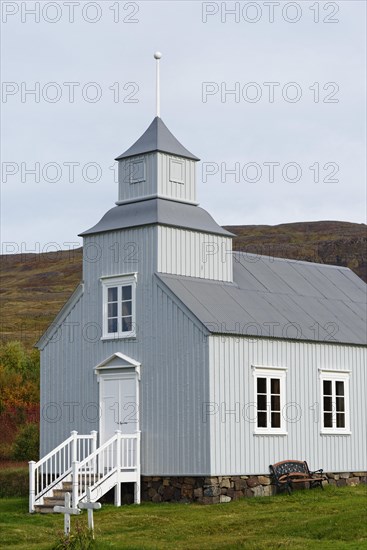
(119, 405)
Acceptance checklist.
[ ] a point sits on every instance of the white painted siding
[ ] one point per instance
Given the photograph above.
(169, 345)
(157, 179)
(185, 191)
(234, 447)
(132, 191)
(175, 374)
(64, 400)
(194, 254)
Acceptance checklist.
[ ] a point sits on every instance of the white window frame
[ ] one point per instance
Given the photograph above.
(268, 373)
(118, 281)
(335, 376)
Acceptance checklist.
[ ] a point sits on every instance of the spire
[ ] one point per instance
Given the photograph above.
(157, 138)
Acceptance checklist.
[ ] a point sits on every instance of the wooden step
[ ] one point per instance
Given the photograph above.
(53, 501)
(58, 496)
(43, 509)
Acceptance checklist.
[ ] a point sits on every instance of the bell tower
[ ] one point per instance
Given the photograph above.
(157, 208)
(157, 166)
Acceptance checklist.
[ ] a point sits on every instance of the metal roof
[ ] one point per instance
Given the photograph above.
(157, 138)
(281, 298)
(158, 211)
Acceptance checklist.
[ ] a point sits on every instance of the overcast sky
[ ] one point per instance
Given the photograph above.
(292, 130)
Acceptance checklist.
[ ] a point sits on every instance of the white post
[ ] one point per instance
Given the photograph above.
(137, 484)
(75, 483)
(74, 446)
(32, 485)
(118, 469)
(93, 433)
(157, 57)
(93, 450)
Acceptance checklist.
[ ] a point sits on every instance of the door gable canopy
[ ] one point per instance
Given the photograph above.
(117, 361)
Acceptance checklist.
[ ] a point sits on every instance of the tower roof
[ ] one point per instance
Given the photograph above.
(157, 138)
(158, 211)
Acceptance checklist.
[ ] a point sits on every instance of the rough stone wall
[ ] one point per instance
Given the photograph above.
(215, 490)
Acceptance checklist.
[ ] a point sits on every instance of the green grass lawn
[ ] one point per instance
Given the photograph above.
(335, 518)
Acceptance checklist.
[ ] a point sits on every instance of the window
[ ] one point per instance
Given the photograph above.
(136, 170)
(334, 401)
(119, 306)
(269, 385)
(176, 171)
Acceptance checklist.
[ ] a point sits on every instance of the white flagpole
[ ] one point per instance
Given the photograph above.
(157, 57)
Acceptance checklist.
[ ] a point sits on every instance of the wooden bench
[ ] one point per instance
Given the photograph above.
(289, 472)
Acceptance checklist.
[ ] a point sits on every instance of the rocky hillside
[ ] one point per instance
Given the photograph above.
(35, 286)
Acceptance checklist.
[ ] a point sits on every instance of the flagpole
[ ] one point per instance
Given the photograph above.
(157, 57)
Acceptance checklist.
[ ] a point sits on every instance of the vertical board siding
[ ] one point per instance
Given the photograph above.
(62, 406)
(130, 191)
(194, 254)
(175, 439)
(235, 450)
(157, 179)
(185, 191)
(169, 345)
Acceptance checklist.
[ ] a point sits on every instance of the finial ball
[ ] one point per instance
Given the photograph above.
(157, 55)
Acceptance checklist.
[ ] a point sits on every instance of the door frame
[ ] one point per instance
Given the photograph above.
(118, 367)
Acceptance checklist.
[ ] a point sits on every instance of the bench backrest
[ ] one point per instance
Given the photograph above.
(282, 469)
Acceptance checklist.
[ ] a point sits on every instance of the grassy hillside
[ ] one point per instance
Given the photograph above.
(35, 286)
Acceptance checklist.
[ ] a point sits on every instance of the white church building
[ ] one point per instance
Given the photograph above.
(186, 369)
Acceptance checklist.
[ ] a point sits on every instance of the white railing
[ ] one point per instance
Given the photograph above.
(119, 454)
(56, 465)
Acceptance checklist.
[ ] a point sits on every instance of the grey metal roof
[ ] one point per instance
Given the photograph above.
(154, 211)
(280, 298)
(157, 138)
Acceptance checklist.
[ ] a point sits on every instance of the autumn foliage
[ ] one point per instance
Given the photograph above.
(19, 393)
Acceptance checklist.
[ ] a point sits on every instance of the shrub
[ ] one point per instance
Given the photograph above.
(26, 444)
(14, 482)
(6, 451)
(15, 358)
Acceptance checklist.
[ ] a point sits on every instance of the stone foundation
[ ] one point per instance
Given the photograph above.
(215, 490)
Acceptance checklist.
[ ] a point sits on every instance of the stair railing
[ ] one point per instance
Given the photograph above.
(56, 465)
(118, 454)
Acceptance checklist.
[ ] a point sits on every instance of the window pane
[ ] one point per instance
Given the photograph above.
(126, 308)
(261, 419)
(275, 403)
(112, 325)
(261, 402)
(261, 385)
(112, 310)
(340, 420)
(126, 324)
(339, 388)
(275, 385)
(327, 404)
(327, 387)
(340, 404)
(328, 420)
(275, 420)
(112, 294)
(126, 292)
